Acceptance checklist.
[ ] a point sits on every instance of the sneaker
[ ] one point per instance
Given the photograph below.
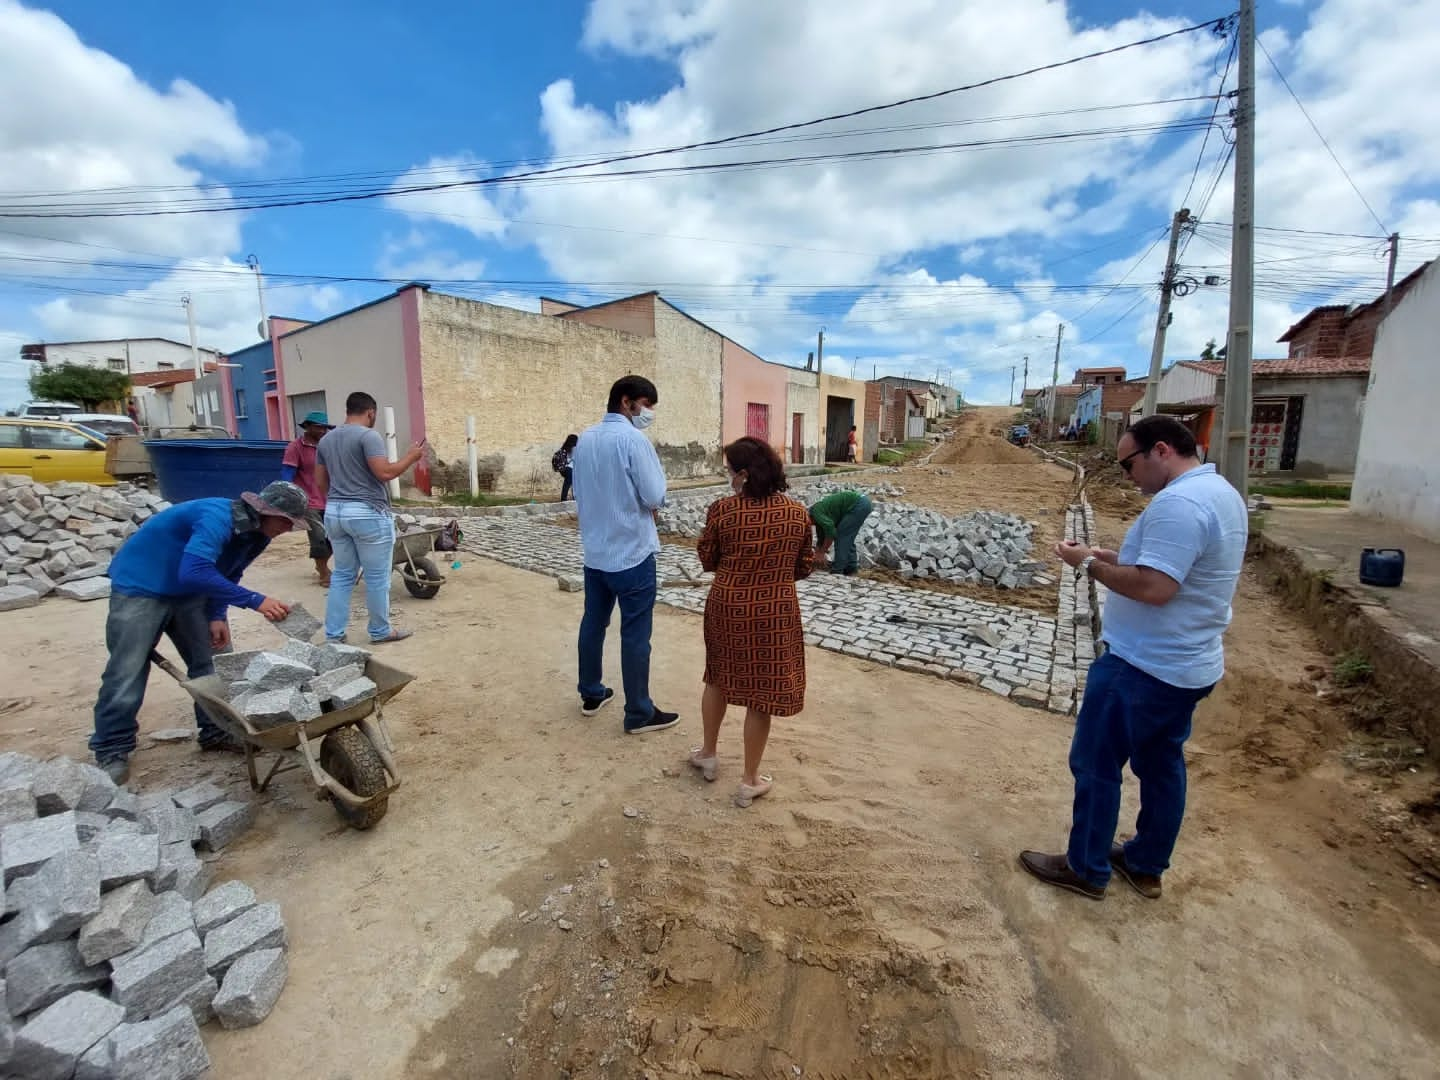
(222, 744)
(589, 706)
(117, 768)
(657, 722)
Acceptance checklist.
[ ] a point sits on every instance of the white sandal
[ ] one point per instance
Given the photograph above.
(709, 766)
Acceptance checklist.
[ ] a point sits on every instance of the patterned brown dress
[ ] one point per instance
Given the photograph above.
(754, 643)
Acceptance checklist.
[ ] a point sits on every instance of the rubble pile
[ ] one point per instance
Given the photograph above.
(295, 684)
(59, 538)
(113, 953)
(979, 548)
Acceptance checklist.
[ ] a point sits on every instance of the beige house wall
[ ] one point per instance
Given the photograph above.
(688, 377)
(364, 350)
(840, 387)
(529, 380)
(803, 396)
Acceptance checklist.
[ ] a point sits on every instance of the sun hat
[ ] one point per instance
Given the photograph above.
(280, 498)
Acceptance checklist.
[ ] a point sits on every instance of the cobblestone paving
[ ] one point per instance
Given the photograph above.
(1028, 657)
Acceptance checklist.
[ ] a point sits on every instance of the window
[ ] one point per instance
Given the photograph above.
(117, 363)
(240, 413)
(10, 436)
(164, 365)
(48, 438)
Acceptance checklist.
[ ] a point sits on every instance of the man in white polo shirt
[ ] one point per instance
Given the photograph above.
(1170, 587)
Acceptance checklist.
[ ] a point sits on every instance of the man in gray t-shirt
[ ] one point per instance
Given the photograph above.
(352, 469)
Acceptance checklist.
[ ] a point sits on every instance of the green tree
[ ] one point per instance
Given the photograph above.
(1208, 353)
(84, 385)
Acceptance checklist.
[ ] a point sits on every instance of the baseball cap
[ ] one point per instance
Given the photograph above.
(319, 419)
(280, 498)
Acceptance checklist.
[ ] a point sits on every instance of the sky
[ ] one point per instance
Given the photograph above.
(951, 236)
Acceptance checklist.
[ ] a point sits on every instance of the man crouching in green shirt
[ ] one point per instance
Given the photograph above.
(837, 519)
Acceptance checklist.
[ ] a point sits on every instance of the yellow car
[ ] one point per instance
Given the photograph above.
(49, 451)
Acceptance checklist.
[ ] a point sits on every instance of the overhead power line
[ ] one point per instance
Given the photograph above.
(1323, 141)
(119, 210)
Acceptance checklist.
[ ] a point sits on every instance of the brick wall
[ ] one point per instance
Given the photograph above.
(1120, 398)
(1323, 335)
(635, 315)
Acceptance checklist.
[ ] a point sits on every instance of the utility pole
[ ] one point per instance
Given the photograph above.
(1390, 274)
(1024, 380)
(1054, 383)
(1235, 459)
(254, 263)
(194, 349)
(201, 413)
(1012, 384)
(1162, 321)
(820, 353)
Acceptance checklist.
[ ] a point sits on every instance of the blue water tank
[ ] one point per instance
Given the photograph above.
(214, 468)
(1382, 566)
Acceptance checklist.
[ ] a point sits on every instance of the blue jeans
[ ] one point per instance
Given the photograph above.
(846, 529)
(132, 629)
(363, 539)
(635, 591)
(1128, 715)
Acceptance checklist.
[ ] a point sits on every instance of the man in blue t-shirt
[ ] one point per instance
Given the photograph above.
(1170, 587)
(177, 576)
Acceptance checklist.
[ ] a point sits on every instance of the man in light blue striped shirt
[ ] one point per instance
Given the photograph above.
(619, 485)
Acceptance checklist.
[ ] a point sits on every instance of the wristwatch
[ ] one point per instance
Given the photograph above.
(1085, 565)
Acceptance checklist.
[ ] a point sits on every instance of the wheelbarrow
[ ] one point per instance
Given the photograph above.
(412, 549)
(348, 751)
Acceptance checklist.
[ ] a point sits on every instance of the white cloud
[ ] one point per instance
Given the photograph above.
(416, 257)
(78, 119)
(464, 208)
(222, 292)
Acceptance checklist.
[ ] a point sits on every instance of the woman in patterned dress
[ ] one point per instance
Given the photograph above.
(757, 542)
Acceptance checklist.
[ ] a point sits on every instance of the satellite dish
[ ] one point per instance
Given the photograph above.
(260, 329)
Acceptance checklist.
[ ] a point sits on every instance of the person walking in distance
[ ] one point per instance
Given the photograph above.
(562, 462)
(298, 466)
(177, 576)
(1170, 587)
(619, 487)
(837, 519)
(757, 544)
(851, 449)
(352, 471)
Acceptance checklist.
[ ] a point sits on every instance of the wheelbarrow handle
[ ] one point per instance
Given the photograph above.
(166, 666)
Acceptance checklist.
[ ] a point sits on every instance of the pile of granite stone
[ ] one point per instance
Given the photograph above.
(113, 952)
(297, 683)
(980, 548)
(58, 539)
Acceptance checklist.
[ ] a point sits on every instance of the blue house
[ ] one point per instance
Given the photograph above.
(1087, 406)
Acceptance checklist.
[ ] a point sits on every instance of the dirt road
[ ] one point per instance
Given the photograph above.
(867, 920)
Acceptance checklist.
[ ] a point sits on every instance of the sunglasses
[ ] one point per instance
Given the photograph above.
(1124, 462)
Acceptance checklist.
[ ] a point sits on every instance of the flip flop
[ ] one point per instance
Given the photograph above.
(709, 766)
(745, 794)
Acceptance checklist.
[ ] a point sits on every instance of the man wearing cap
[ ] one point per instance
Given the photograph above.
(298, 466)
(177, 576)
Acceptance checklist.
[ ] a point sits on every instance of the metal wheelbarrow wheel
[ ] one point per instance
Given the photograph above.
(347, 755)
(420, 585)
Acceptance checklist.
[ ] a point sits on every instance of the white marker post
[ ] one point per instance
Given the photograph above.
(472, 456)
(390, 448)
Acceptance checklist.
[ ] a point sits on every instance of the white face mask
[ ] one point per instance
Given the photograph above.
(644, 418)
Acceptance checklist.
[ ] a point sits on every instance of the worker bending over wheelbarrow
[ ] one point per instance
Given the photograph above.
(176, 576)
(837, 519)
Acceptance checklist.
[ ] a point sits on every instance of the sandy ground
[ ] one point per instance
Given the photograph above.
(866, 920)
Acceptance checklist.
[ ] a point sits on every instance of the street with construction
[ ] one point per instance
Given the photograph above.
(547, 897)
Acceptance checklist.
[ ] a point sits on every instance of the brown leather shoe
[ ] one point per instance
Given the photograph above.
(1147, 885)
(1055, 870)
